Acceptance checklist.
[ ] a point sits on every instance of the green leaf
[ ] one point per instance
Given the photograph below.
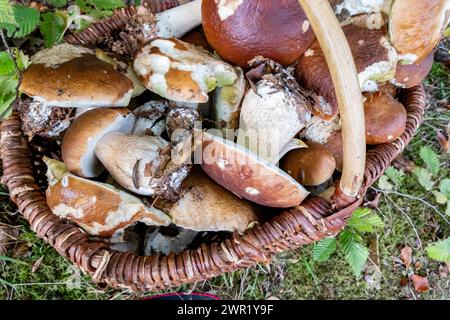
(8, 91)
(58, 3)
(447, 211)
(6, 13)
(323, 249)
(22, 60)
(396, 176)
(365, 220)
(99, 8)
(440, 197)
(384, 184)
(424, 177)
(444, 187)
(7, 66)
(26, 20)
(53, 27)
(440, 251)
(355, 253)
(430, 158)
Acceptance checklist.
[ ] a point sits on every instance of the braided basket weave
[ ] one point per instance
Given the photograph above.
(313, 220)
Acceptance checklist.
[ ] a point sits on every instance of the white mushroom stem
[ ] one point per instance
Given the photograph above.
(178, 21)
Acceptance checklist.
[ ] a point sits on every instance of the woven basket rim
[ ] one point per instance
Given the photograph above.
(310, 222)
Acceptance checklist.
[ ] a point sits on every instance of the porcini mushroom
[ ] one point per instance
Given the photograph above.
(98, 208)
(273, 111)
(79, 142)
(311, 166)
(411, 75)
(149, 118)
(241, 30)
(75, 77)
(227, 104)
(182, 72)
(245, 174)
(206, 206)
(141, 164)
(375, 61)
(385, 118)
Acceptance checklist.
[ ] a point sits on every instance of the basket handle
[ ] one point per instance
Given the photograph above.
(345, 78)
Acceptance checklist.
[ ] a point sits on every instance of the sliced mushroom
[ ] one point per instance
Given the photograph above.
(416, 26)
(96, 207)
(385, 118)
(411, 75)
(273, 112)
(250, 177)
(242, 30)
(74, 77)
(179, 71)
(206, 206)
(141, 164)
(227, 104)
(375, 61)
(311, 166)
(83, 135)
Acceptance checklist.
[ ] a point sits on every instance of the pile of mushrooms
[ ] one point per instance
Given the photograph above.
(184, 131)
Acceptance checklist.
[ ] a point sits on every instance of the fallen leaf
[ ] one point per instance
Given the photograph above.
(8, 236)
(374, 203)
(443, 141)
(372, 273)
(406, 256)
(404, 282)
(420, 283)
(37, 264)
(401, 163)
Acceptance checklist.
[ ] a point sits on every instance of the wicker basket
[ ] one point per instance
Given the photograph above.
(313, 220)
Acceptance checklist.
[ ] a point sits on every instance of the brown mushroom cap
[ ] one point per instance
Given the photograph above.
(374, 58)
(311, 166)
(416, 26)
(72, 76)
(385, 118)
(78, 146)
(411, 75)
(197, 38)
(243, 173)
(98, 208)
(206, 206)
(242, 30)
(334, 144)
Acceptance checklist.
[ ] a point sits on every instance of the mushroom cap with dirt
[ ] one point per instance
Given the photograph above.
(310, 166)
(141, 164)
(375, 61)
(206, 206)
(241, 30)
(180, 71)
(273, 111)
(73, 76)
(385, 118)
(98, 208)
(250, 177)
(78, 145)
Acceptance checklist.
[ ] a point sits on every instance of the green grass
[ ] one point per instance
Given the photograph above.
(290, 275)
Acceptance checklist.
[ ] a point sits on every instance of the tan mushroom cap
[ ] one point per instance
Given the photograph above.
(416, 26)
(411, 75)
(98, 208)
(375, 61)
(311, 166)
(385, 118)
(206, 206)
(243, 173)
(78, 146)
(71, 76)
(241, 30)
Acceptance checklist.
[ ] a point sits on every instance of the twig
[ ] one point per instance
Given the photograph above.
(415, 198)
